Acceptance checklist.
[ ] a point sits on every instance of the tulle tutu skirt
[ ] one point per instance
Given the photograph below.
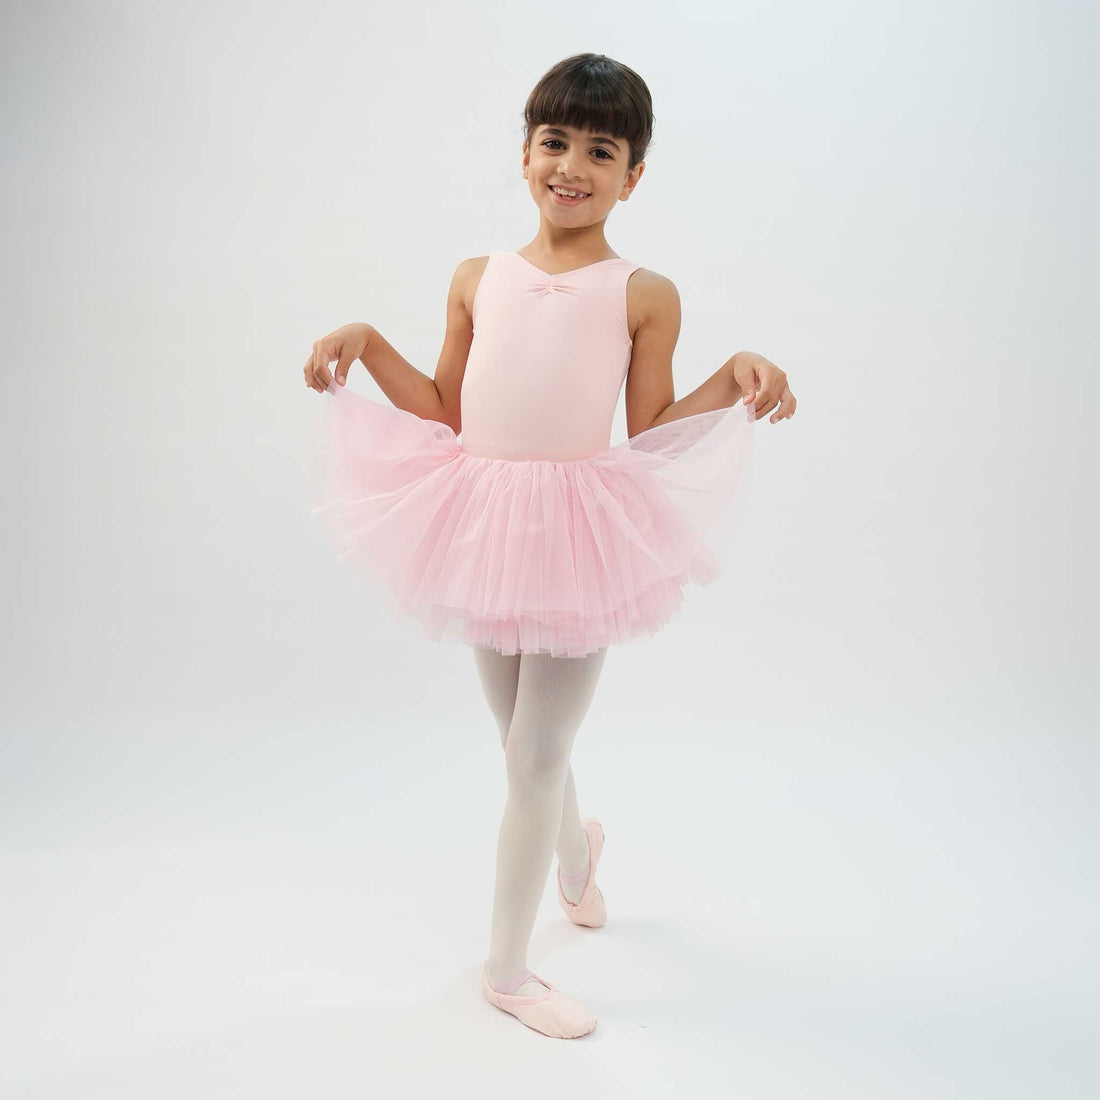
(530, 556)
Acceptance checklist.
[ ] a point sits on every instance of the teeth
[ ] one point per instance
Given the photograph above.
(568, 194)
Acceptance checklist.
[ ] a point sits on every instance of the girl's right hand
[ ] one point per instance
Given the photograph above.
(345, 345)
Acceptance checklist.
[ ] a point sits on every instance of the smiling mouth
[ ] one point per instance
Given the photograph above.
(565, 198)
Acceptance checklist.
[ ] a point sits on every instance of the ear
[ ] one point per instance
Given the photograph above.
(632, 178)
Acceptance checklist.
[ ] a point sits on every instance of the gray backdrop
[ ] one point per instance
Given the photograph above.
(248, 824)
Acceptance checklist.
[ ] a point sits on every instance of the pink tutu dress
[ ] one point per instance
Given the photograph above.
(529, 532)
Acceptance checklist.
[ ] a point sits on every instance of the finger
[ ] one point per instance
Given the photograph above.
(765, 403)
(767, 397)
(322, 356)
(744, 378)
(342, 367)
(786, 406)
(772, 384)
(307, 373)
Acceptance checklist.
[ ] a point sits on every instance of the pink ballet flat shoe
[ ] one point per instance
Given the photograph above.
(551, 1012)
(589, 909)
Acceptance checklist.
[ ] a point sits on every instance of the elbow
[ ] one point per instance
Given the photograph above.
(658, 419)
(447, 421)
(451, 417)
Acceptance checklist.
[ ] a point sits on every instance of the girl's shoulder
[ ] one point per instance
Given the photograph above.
(651, 297)
(645, 278)
(466, 279)
(648, 292)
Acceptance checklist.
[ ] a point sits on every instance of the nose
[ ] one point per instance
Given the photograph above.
(565, 170)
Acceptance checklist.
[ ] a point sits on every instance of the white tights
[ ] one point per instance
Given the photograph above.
(539, 703)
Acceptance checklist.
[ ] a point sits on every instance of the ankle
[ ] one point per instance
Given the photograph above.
(578, 878)
(502, 977)
(574, 859)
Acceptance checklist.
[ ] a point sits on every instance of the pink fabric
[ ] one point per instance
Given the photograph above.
(549, 356)
(510, 988)
(550, 1011)
(578, 878)
(529, 532)
(589, 909)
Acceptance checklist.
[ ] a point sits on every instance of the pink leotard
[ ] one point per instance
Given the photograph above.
(548, 360)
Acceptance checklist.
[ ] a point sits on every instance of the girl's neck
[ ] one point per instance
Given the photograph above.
(577, 247)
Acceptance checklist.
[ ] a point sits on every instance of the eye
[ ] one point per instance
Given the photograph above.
(599, 148)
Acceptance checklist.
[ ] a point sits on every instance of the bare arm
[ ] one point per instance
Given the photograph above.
(451, 368)
(650, 398)
(411, 389)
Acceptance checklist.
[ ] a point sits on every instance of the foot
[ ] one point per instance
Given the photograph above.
(549, 1011)
(530, 988)
(572, 886)
(579, 896)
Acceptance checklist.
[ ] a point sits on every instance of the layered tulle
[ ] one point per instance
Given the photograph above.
(530, 556)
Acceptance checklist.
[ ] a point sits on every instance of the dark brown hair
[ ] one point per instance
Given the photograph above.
(592, 92)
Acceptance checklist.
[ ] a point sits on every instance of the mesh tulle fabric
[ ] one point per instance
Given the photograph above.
(530, 556)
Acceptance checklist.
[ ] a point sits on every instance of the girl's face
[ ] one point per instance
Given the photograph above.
(591, 163)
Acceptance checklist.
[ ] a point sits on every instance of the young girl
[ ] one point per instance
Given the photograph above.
(533, 540)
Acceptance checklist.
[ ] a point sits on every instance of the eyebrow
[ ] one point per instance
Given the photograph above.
(595, 140)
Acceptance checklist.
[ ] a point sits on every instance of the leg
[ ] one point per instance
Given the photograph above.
(552, 697)
(500, 681)
(499, 676)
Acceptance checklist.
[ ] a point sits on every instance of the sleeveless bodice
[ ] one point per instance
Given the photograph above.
(548, 359)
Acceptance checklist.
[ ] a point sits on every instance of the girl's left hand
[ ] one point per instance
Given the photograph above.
(765, 384)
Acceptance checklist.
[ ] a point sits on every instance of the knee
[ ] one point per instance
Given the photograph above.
(535, 763)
